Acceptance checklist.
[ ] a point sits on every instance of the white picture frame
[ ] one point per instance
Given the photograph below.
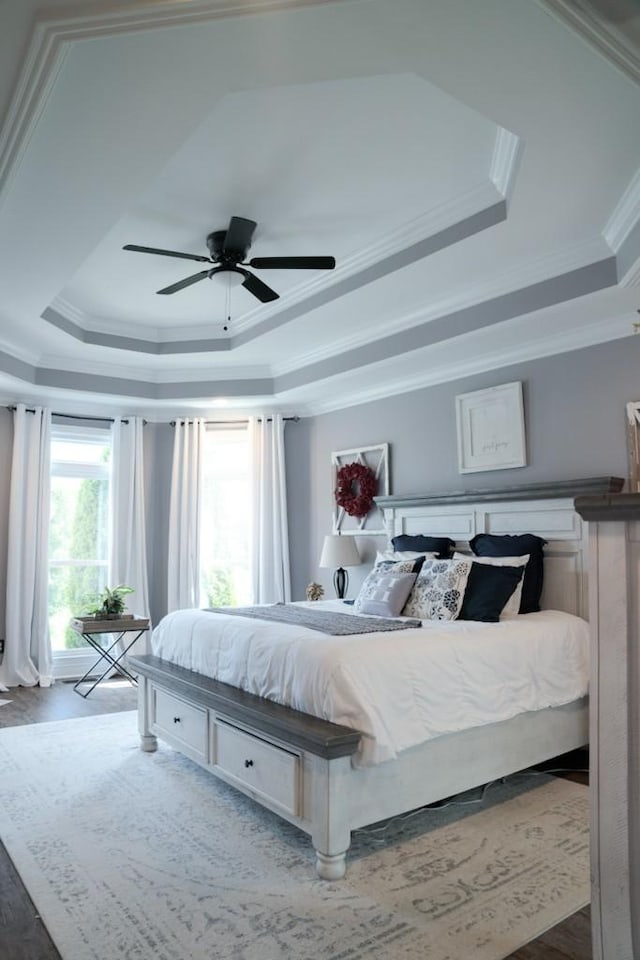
(375, 457)
(490, 429)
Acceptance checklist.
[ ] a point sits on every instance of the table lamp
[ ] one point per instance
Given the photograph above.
(339, 552)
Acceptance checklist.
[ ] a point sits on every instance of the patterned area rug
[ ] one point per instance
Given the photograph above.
(133, 856)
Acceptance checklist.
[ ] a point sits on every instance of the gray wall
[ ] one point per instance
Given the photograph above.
(575, 427)
(575, 424)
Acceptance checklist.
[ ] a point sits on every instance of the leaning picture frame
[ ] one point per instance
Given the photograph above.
(490, 429)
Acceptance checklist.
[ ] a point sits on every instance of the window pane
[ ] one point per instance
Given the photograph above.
(224, 535)
(81, 451)
(78, 526)
(72, 591)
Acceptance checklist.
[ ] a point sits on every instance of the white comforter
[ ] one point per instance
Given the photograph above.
(399, 689)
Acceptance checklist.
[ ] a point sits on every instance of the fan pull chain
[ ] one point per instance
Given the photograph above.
(227, 303)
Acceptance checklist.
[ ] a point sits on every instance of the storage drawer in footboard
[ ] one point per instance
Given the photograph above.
(180, 723)
(261, 768)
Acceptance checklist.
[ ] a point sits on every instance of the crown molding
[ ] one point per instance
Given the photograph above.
(505, 162)
(432, 375)
(53, 35)
(550, 265)
(625, 215)
(632, 276)
(418, 230)
(395, 251)
(594, 30)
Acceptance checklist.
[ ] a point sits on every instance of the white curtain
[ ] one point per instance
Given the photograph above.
(183, 581)
(27, 655)
(271, 577)
(128, 549)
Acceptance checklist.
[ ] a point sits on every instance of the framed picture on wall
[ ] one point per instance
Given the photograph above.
(490, 425)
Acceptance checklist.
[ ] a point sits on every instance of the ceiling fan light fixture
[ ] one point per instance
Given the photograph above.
(230, 277)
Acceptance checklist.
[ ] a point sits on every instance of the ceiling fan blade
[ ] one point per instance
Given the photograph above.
(166, 253)
(181, 284)
(293, 263)
(239, 235)
(259, 289)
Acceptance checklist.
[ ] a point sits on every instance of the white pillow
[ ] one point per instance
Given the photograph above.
(439, 590)
(384, 594)
(512, 607)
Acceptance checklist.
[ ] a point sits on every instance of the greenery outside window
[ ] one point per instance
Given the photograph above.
(78, 528)
(225, 578)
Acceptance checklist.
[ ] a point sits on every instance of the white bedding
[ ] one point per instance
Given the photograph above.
(399, 689)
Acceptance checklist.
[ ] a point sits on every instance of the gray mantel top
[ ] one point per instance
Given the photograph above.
(620, 506)
(586, 488)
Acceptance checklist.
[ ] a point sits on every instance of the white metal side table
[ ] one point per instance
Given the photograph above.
(125, 630)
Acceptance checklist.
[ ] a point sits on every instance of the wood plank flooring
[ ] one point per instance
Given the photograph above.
(23, 936)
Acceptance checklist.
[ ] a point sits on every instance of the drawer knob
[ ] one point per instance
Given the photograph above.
(176, 719)
(248, 763)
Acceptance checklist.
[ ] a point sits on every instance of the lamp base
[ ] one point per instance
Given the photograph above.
(340, 582)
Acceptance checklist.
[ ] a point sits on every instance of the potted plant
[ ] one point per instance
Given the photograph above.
(112, 603)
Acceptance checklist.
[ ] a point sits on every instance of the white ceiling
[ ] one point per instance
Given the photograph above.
(474, 169)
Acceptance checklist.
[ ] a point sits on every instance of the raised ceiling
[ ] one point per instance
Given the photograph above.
(473, 168)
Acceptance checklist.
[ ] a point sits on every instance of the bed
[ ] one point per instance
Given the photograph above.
(331, 776)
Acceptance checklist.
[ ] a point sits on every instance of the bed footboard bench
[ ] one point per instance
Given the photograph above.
(291, 762)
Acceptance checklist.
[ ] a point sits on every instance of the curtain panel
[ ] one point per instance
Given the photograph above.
(27, 657)
(128, 548)
(271, 577)
(183, 575)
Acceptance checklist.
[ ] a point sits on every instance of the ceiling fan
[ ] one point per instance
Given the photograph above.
(228, 250)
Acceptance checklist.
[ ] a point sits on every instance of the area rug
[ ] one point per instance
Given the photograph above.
(134, 856)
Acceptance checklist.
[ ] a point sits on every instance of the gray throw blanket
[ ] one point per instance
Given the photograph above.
(326, 621)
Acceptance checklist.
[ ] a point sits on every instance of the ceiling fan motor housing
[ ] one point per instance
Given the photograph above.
(215, 243)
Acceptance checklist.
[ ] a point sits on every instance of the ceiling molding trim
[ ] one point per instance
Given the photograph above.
(52, 38)
(550, 266)
(271, 389)
(133, 344)
(625, 216)
(505, 162)
(597, 34)
(559, 289)
(632, 276)
(434, 374)
(438, 239)
(420, 229)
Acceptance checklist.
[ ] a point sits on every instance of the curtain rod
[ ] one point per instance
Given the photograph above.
(74, 416)
(172, 423)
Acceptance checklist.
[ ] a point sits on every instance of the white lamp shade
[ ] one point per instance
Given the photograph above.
(339, 551)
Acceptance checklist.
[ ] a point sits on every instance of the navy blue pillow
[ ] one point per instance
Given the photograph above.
(488, 590)
(443, 546)
(494, 545)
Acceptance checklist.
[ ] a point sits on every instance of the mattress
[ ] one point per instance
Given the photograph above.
(398, 689)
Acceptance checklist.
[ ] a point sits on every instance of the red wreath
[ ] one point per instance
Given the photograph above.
(356, 486)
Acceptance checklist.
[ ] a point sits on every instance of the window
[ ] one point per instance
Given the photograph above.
(78, 528)
(225, 578)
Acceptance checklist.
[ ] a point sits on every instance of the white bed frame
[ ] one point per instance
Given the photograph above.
(300, 766)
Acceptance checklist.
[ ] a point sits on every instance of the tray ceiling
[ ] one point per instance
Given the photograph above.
(473, 171)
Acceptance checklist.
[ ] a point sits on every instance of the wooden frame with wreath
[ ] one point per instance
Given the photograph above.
(358, 475)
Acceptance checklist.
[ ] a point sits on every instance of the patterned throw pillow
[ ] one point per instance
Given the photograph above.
(384, 594)
(439, 590)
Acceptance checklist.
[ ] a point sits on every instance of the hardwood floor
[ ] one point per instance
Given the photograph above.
(23, 935)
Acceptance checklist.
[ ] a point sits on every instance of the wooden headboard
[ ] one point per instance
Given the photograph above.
(545, 509)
